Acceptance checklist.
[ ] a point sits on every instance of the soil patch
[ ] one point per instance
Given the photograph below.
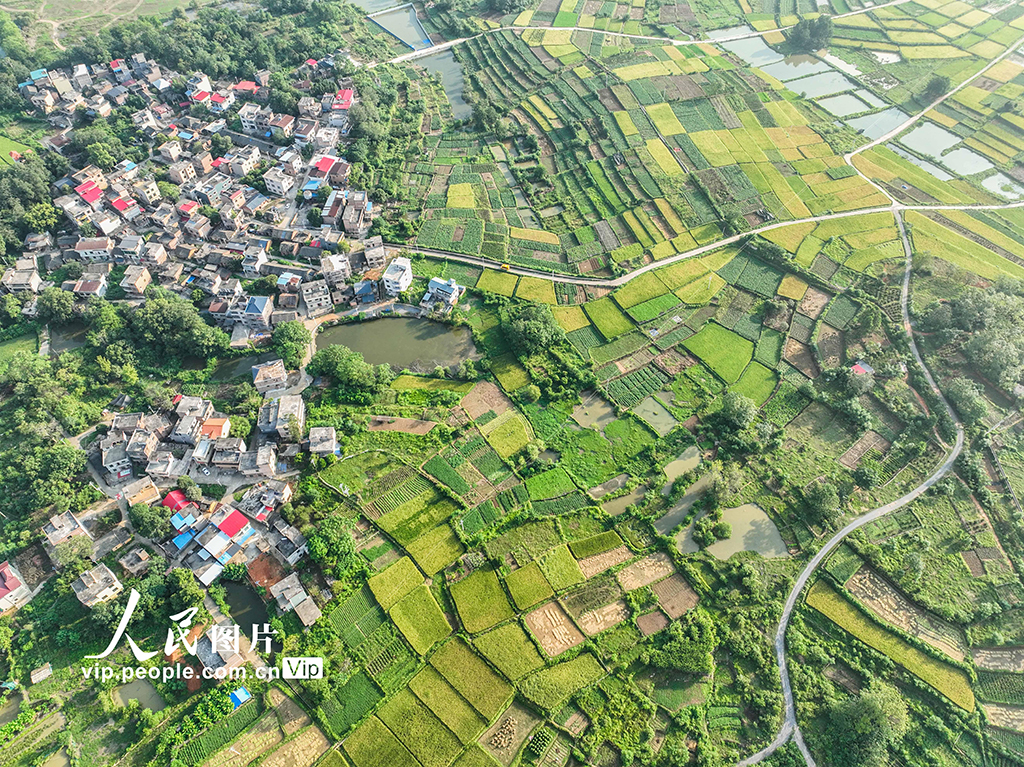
(407, 425)
(652, 623)
(603, 618)
(801, 357)
(675, 596)
(302, 751)
(506, 736)
(645, 571)
(485, 396)
(553, 629)
(265, 571)
(814, 302)
(999, 658)
(598, 563)
(870, 441)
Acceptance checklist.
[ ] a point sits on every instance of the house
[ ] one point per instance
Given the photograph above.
(291, 596)
(141, 491)
(88, 288)
(40, 674)
(335, 269)
(169, 151)
(219, 660)
(309, 107)
(153, 254)
(398, 276)
(317, 297)
(94, 249)
(861, 367)
(136, 280)
(96, 585)
(261, 462)
(278, 182)
(17, 280)
(115, 460)
(374, 253)
(141, 445)
(443, 292)
(323, 440)
(203, 163)
(227, 452)
(221, 101)
(216, 428)
(326, 138)
(182, 172)
(254, 258)
(243, 160)
(269, 376)
(135, 562)
(365, 292)
(282, 126)
(277, 415)
(129, 249)
(126, 208)
(253, 312)
(254, 118)
(13, 591)
(356, 217)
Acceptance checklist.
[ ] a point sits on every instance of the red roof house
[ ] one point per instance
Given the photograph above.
(233, 524)
(175, 500)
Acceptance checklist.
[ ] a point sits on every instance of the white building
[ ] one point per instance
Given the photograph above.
(278, 182)
(398, 276)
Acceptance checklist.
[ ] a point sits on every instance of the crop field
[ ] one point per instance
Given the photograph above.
(595, 544)
(394, 584)
(947, 680)
(419, 730)
(472, 678)
(510, 650)
(607, 318)
(560, 568)
(726, 353)
(508, 433)
(500, 283)
(413, 518)
(510, 374)
(481, 601)
(536, 289)
(450, 707)
(571, 318)
(374, 745)
(435, 550)
(420, 619)
(528, 586)
(757, 382)
(549, 688)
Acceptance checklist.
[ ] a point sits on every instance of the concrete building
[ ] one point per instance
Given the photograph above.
(136, 280)
(336, 269)
(96, 585)
(398, 276)
(13, 591)
(323, 440)
(317, 297)
(278, 182)
(277, 415)
(269, 376)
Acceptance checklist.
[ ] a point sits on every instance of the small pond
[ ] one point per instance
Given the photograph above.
(679, 512)
(246, 606)
(655, 415)
(843, 105)
(877, 125)
(10, 708)
(821, 85)
(930, 140)
(232, 368)
(64, 338)
(403, 24)
(1004, 186)
(886, 57)
(404, 342)
(594, 413)
(873, 101)
(924, 165)
(965, 162)
(445, 64)
(141, 690)
(752, 530)
(58, 759)
(618, 505)
(687, 461)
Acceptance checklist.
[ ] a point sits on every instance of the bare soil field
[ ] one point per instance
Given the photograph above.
(301, 751)
(598, 563)
(506, 736)
(645, 571)
(407, 425)
(851, 458)
(265, 571)
(675, 596)
(652, 623)
(553, 629)
(891, 606)
(258, 740)
(1007, 717)
(485, 396)
(814, 302)
(801, 357)
(999, 658)
(603, 618)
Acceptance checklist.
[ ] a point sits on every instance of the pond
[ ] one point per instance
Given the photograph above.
(821, 85)
(239, 366)
(687, 461)
(67, 337)
(873, 101)
(681, 510)
(792, 67)
(10, 708)
(965, 162)
(1004, 186)
(452, 80)
(930, 140)
(655, 415)
(753, 51)
(403, 24)
(843, 105)
(877, 125)
(141, 690)
(246, 606)
(885, 57)
(404, 342)
(618, 505)
(594, 413)
(752, 530)
(58, 759)
(924, 165)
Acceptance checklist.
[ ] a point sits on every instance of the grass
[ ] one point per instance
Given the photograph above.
(528, 586)
(420, 731)
(595, 544)
(560, 568)
(394, 584)
(473, 679)
(726, 353)
(536, 289)
(508, 434)
(643, 288)
(607, 318)
(757, 382)
(420, 619)
(950, 682)
(500, 283)
(435, 550)
(8, 145)
(481, 601)
(407, 382)
(510, 650)
(26, 343)
(549, 688)
(549, 484)
(374, 745)
(441, 698)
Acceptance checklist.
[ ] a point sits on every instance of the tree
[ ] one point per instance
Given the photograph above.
(967, 398)
(172, 328)
(532, 329)
(823, 500)
(357, 380)
(170, 192)
(41, 217)
(865, 726)
(936, 87)
(466, 370)
(738, 411)
(690, 646)
(314, 217)
(73, 553)
(150, 521)
(56, 306)
(290, 341)
(810, 35)
(188, 486)
(332, 547)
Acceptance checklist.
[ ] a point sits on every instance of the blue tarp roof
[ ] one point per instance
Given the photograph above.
(240, 696)
(181, 541)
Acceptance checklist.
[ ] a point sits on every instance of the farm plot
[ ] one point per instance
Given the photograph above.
(441, 698)
(891, 606)
(500, 283)
(570, 318)
(561, 569)
(947, 680)
(435, 550)
(350, 704)
(553, 629)
(549, 688)
(595, 544)
(510, 650)
(675, 596)
(356, 618)
(536, 289)
(510, 374)
(549, 484)
(607, 318)
(645, 571)
(419, 730)
(480, 600)
(594, 622)
(652, 623)
(413, 518)
(472, 678)
(440, 469)
(633, 388)
(999, 658)
(598, 563)
(485, 398)
(508, 433)
(394, 584)
(528, 586)
(374, 745)
(726, 353)
(419, 618)
(757, 383)
(870, 440)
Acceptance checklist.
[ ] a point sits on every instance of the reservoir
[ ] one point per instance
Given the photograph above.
(444, 64)
(403, 342)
